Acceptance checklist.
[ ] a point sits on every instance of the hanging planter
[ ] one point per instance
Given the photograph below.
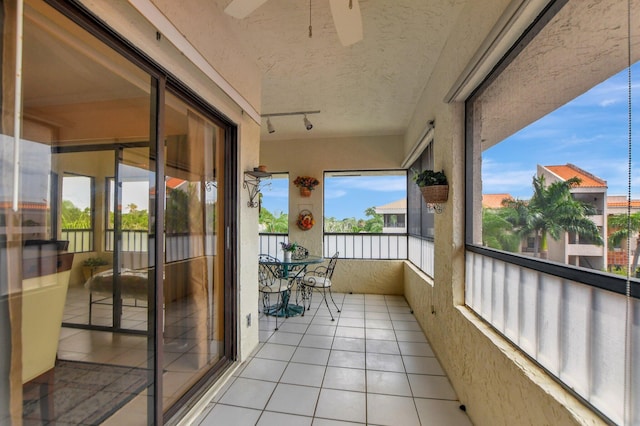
(306, 185)
(435, 194)
(434, 186)
(305, 220)
(305, 192)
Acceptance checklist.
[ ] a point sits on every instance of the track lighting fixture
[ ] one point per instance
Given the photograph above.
(307, 124)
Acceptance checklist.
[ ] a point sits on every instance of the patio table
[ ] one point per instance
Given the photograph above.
(291, 269)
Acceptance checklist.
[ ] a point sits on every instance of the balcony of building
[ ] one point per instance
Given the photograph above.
(431, 319)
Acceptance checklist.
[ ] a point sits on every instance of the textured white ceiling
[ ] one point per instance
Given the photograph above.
(369, 88)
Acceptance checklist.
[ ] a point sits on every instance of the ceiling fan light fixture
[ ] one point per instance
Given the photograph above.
(270, 127)
(307, 123)
(346, 17)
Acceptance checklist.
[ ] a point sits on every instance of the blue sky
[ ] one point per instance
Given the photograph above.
(345, 196)
(591, 132)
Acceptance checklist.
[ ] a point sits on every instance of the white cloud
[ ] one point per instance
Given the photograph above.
(334, 193)
(370, 183)
(275, 192)
(607, 102)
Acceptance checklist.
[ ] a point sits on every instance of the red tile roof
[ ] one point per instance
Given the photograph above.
(494, 201)
(173, 182)
(569, 171)
(25, 205)
(634, 203)
(395, 205)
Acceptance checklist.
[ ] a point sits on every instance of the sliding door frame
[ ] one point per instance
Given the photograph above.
(163, 81)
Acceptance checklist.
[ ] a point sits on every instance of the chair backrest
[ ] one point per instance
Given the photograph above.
(267, 258)
(300, 253)
(332, 265)
(269, 270)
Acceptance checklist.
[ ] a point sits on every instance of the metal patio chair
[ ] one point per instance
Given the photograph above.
(319, 279)
(271, 283)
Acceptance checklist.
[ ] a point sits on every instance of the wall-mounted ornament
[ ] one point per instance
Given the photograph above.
(305, 220)
(434, 187)
(306, 185)
(254, 183)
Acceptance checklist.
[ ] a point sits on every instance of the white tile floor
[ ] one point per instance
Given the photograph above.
(372, 365)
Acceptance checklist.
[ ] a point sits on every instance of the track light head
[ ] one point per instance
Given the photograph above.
(307, 123)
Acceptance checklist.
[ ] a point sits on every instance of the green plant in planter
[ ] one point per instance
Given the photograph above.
(93, 265)
(429, 178)
(94, 261)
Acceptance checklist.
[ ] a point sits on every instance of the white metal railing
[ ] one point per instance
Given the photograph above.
(80, 240)
(420, 251)
(422, 254)
(177, 246)
(366, 246)
(574, 330)
(270, 244)
(350, 246)
(132, 240)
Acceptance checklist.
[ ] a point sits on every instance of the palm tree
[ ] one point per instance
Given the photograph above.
(498, 232)
(276, 224)
(553, 211)
(375, 223)
(625, 227)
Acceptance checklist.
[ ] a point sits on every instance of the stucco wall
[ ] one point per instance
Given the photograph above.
(313, 158)
(369, 276)
(496, 383)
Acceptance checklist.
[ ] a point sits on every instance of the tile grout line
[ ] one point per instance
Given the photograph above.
(315, 409)
(283, 371)
(366, 353)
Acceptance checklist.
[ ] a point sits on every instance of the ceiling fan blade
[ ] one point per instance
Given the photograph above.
(347, 20)
(240, 9)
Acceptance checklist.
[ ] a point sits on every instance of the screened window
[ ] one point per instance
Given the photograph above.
(551, 148)
(274, 205)
(552, 134)
(355, 202)
(363, 214)
(394, 220)
(421, 217)
(132, 197)
(77, 212)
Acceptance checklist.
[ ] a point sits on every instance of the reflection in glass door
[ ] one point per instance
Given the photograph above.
(130, 219)
(82, 102)
(90, 115)
(194, 272)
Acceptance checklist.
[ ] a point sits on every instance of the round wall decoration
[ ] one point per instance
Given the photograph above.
(305, 220)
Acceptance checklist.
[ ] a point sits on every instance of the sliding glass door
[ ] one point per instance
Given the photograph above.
(194, 252)
(131, 319)
(131, 257)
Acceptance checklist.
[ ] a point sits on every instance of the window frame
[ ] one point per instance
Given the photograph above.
(357, 173)
(602, 280)
(418, 225)
(92, 209)
(364, 245)
(275, 175)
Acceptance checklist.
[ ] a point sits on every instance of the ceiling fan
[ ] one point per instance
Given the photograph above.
(346, 17)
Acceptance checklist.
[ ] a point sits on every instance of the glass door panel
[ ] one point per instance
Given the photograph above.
(85, 112)
(194, 279)
(131, 240)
